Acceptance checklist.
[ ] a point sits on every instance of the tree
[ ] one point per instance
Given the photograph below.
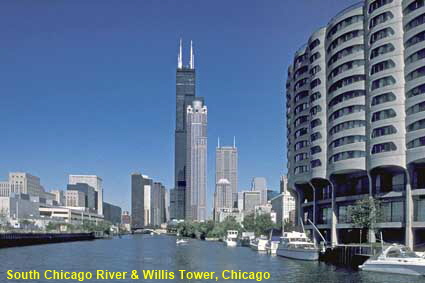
(288, 225)
(365, 213)
(249, 222)
(260, 224)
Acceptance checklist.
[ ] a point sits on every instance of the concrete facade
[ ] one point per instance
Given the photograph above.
(93, 181)
(226, 167)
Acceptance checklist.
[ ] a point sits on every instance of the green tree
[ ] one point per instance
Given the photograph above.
(365, 213)
(249, 222)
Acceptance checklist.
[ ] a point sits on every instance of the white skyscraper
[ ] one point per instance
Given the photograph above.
(93, 181)
(226, 167)
(196, 168)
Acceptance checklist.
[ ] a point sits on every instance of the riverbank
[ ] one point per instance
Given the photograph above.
(8, 240)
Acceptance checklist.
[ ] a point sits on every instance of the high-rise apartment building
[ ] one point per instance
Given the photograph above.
(196, 160)
(260, 184)
(355, 102)
(226, 167)
(185, 94)
(93, 181)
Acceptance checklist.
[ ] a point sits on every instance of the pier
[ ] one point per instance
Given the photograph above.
(349, 255)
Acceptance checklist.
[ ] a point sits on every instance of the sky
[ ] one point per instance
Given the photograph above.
(88, 87)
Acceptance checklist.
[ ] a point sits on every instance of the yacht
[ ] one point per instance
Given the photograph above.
(231, 239)
(271, 246)
(396, 259)
(297, 245)
(259, 244)
(181, 242)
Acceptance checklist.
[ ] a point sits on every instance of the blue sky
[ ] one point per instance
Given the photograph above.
(88, 87)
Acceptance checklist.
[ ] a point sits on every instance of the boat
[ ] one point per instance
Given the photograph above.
(181, 242)
(246, 238)
(297, 245)
(396, 259)
(231, 239)
(272, 244)
(259, 244)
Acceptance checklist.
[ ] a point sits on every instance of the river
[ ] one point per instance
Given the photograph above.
(145, 252)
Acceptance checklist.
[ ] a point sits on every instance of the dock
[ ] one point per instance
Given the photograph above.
(8, 240)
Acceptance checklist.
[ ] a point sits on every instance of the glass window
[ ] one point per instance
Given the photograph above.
(346, 96)
(347, 140)
(382, 98)
(383, 131)
(381, 34)
(300, 132)
(383, 82)
(416, 143)
(300, 96)
(344, 23)
(419, 20)
(315, 123)
(300, 84)
(315, 163)
(347, 125)
(419, 37)
(379, 19)
(301, 120)
(346, 155)
(300, 72)
(301, 144)
(378, 4)
(345, 67)
(346, 81)
(418, 125)
(381, 50)
(345, 52)
(301, 108)
(315, 83)
(315, 96)
(315, 149)
(419, 72)
(419, 90)
(413, 6)
(314, 57)
(420, 107)
(344, 38)
(346, 111)
(314, 44)
(300, 157)
(315, 136)
(383, 147)
(316, 109)
(382, 66)
(315, 70)
(418, 55)
(301, 169)
(383, 114)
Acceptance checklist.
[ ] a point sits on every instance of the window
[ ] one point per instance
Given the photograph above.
(344, 38)
(378, 4)
(383, 131)
(382, 98)
(418, 55)
(300, 144)
(346, 96)
(345, 67)
(300, 84)
(344, 23)
(300, 72)
(300, 157)
(379, 19)
(300, 96)
(419, 20)
(301, 120)
(419, 72)
(314, 44)
(413, 6)
(381, 34)
(299, 60)
(416, 108)
(383, 147)
(315, 163)
(345, 52)
(346, 155)
(383, 82)
(418, 125)
(315, 123)
(347, 125)
(301, 169)
(300, 108)
(347, 140)
(346, 111)
(314, 57)
(382, 66)
(315, 96)
(416, 143)
(420, 89)
(315, 149)
(315, 83)
(315, 136)
(419, 37)
(383, 114)
(300, 132)
(381, 50)
(314, 110)
(346, 81)
(315, 70)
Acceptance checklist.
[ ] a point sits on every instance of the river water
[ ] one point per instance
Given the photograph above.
(145, 252)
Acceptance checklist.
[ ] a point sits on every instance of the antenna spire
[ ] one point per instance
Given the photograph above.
(218, 142)
(234, 142)
(192, 56)
(180, 57)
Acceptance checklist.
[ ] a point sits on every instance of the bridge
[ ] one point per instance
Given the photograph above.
(155, 231)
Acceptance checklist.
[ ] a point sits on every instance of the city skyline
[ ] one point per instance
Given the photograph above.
(88, 98)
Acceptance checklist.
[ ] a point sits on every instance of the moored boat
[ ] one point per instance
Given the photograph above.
(259, 244)
(297, 245)
(231, 239)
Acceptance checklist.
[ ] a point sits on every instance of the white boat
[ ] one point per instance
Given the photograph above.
(396, 259)
(231, 239)
(259, 244)
(297, 245)
(181, 242)
(272, 246)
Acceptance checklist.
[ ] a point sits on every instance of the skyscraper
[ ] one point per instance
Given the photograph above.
(260, 184)
(138, 183)
(226, 167)
(93, 181)
(223, 198)
(196, 158)
(185, 94)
